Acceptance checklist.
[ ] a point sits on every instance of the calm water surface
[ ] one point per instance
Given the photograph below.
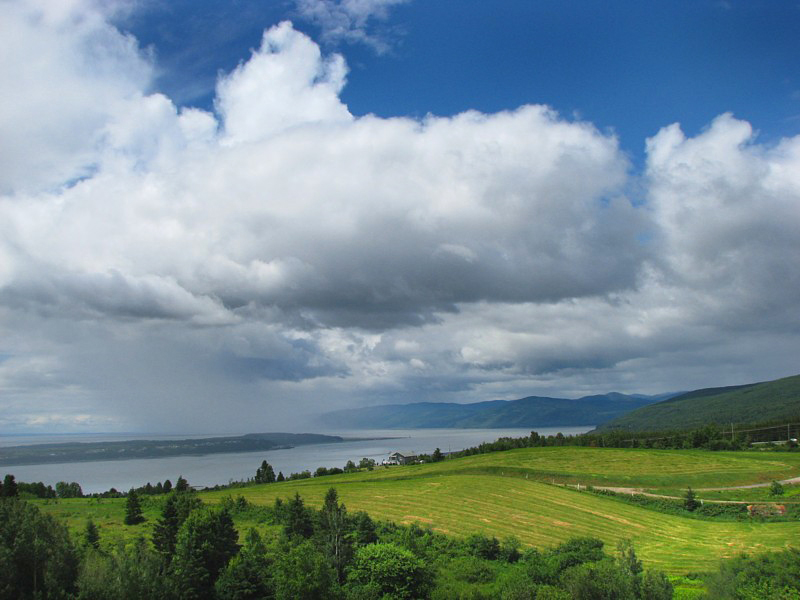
(222, 468)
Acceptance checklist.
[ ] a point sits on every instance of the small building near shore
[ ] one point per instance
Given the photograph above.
(395, 458)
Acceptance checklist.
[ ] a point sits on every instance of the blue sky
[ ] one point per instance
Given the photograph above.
(235, 216)
(629, 66)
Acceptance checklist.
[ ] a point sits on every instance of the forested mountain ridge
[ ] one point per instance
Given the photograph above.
(532, 411)
(751, 403)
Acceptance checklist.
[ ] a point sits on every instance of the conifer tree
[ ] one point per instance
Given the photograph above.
(165, 533)
(166, 528)
(206, 542)
(365, 531)
(133, 509)
(248, 574)
(690, 501)
(9, 486)
(92, 535)
(298, 519)
(265, 473)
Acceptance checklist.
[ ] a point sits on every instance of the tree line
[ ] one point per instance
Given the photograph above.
(709, 437)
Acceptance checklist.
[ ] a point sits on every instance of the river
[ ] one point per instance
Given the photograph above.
(216, 469)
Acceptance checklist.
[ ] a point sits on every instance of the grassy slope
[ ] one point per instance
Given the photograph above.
(616, 466)
(773, 400)
(540, 515)
(109, 513)
(502, 494)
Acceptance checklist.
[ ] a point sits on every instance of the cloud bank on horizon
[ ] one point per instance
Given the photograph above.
(170, 268)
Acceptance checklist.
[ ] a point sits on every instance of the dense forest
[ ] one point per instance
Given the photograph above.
(532, 411)
(777, 401)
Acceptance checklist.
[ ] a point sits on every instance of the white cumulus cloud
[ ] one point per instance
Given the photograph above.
(280, 255)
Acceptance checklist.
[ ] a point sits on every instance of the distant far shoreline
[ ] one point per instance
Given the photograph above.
(71, 452)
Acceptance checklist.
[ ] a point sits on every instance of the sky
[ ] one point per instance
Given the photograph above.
(234, 216)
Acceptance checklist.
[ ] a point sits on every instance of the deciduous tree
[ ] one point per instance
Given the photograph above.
(68, 490)
(128, 572)
(389, 571)
(37, 556)
(302, 573)
(775, 489)
(626, 557)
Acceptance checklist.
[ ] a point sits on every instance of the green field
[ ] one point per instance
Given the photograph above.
(507, 493)
(624, 467)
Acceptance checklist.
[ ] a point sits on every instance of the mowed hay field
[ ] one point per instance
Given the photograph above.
(511, 493)
(490, 494)
(622, 467)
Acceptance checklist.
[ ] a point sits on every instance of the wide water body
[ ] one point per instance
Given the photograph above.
(216, 469)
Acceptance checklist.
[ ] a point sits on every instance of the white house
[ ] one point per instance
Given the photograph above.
(395, 458)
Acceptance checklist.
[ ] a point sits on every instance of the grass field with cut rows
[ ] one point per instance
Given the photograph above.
(617, 467)
(538, 514)
(505, 493)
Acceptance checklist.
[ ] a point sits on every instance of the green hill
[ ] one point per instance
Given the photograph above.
(753, 403)
(533, 411)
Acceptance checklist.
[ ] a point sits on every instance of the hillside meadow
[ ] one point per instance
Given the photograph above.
(511, 493)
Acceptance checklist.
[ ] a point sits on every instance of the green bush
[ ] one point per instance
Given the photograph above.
(472, 569)
(769, 575)
(389, 570)
(601, 580)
